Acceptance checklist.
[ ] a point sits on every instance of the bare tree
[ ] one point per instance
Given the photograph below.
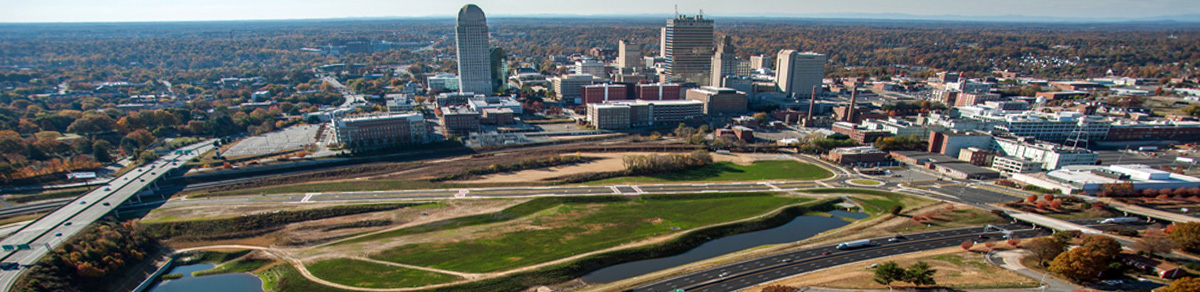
(1154, 242)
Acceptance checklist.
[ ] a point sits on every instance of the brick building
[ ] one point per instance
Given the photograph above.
(658, 91)
(600, 93)
(459, 119)
(373, 131)
(719, 100)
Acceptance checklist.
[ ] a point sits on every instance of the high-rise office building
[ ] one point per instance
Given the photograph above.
(662, 42)
(724, 61)
(689, 44)
(498, 66)
(629, 55)
(760, 62)
(474, 60)
(796, 73)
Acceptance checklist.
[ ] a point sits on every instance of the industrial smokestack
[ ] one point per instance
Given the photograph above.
(852, 108)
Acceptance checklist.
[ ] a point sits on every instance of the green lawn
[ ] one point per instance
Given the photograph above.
(373, 275)
(217, 257)
(520, 210)
(236, 266)
(865, 182)
(728, 171)
(882, 202)
(285, 278)
(574, 228)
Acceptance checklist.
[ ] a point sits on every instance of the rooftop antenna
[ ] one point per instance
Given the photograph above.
(676, 10)
(701, 13)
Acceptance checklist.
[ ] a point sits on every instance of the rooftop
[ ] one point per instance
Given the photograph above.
(1136, 173)
(856, 150)
(967, 168)
(458, 110)
(384, 116)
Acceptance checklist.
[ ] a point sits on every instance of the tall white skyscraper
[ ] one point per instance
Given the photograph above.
(474, 62)
(796, 73)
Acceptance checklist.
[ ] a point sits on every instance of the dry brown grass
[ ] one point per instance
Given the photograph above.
(607, 162)
(956, 269)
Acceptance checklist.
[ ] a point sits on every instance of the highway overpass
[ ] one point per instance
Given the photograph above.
(33, 241)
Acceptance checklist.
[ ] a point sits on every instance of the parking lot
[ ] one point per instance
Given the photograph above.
(1110, 157)
(291, 138)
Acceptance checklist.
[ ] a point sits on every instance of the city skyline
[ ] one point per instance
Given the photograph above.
(1017, 10)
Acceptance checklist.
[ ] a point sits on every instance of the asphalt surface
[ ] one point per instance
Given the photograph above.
(748, 273)
(49, 231)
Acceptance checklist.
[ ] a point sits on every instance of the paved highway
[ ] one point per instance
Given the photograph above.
(33, 241)
(430, 194)
(748, 273)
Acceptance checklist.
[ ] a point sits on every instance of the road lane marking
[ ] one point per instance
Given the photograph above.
(308, 197)
(615, 190)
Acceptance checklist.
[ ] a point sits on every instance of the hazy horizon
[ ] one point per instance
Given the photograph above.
(72, 11)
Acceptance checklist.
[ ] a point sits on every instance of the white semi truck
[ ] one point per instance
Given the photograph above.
(854, 244)
(1120, 220)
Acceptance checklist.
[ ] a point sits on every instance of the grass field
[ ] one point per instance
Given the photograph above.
(574, 228)
(285, 278)
(520, 210)
(235, 266)
(958, 217)
(883, 200)
(216, 257)
(728, 171)
(865, 182)
(373, 275)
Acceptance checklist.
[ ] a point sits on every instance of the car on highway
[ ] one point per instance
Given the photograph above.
(83, 202)
(9, 266)
(106, 204)
(58, 234)
(107, 189)
(67, 224)
(827, 253)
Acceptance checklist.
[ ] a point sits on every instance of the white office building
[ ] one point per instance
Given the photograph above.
(797, 72)
(474, 58)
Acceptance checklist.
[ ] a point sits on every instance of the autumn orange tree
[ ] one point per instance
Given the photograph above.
(1185, 284)
(1080, 264)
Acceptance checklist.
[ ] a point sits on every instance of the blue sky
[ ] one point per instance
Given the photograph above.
(170, 10)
